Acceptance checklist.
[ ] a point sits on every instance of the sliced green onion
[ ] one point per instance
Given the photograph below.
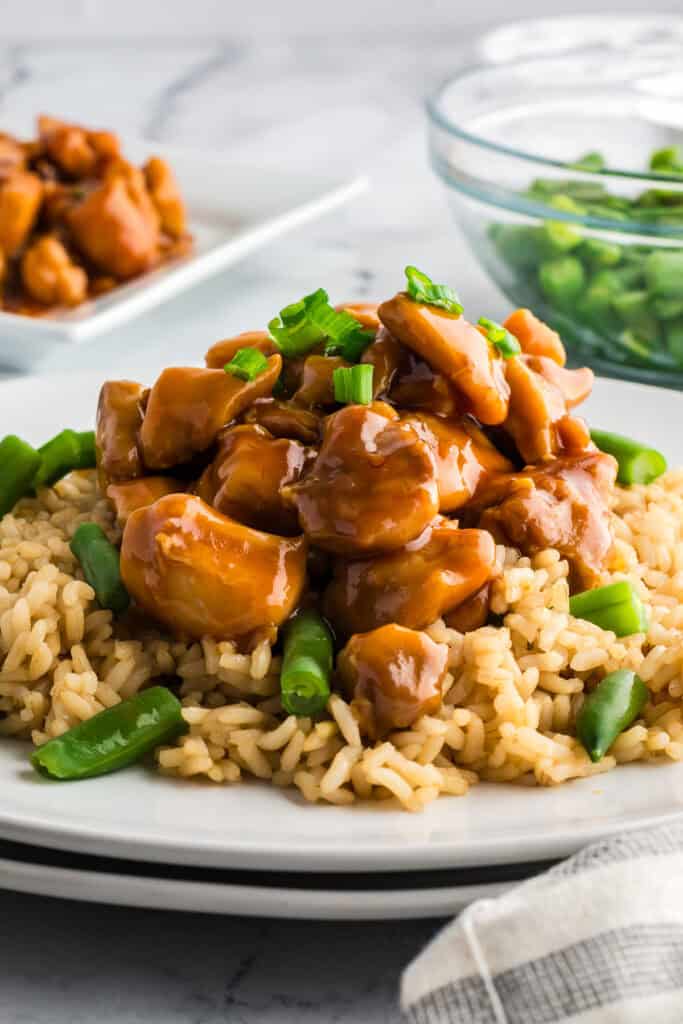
(353, 384)
(100, 564)
(637, 463)
(19, 463)
(616, 607)
(500, 337)
(247, 364)
(592, 161)
(305, 324)
(69, 450)
(306, 664)
(422, 289)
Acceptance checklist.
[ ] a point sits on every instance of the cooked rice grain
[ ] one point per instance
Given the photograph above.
(511, 695)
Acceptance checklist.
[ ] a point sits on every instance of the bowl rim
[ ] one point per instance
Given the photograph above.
(441, 120)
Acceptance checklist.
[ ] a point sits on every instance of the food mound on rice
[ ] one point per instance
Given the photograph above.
(439, 521)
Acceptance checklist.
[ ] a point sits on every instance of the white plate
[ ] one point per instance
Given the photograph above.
(233, 209)
(252, 894)
(143, 816)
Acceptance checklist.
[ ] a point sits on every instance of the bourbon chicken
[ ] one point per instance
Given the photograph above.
(76, 218)
(356, 465)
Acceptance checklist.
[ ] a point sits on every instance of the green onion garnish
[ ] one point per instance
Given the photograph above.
(422, 289)
(500, 337)
(247, 364)
(305, 324)
(616, 607)
(353, 384)
(637, 463)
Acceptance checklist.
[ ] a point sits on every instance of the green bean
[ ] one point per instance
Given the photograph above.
(114, 738)
(615, 607)
(637, 463)
(306, 664)
(664, 274)
(674, 339)
(600, 254)
(19, 463)
(612, 706)
(519, 246)
(67, 451)
(562, 280)
(559, 237)
(668, 308)
(100, 564)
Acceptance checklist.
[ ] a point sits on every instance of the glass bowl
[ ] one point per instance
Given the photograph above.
(597, 252)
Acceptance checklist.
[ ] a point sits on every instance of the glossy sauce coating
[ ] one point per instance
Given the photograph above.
(282, 419)
(465, 458)
(413, 586)
(541, 392)
(188, 406)
(128, 496)
(562, 505)
(535, 337)
(201, 573)
(393, 676)
(372, 487)
(245, 478)
(316, 387)
(454, 347)
(119, 416)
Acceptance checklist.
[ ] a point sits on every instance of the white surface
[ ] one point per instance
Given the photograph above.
(233, 209)
(197, 896)
(141, 815)
(280, 86)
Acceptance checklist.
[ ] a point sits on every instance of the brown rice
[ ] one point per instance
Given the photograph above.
(510, 699)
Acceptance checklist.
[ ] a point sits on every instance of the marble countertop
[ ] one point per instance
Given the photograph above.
(353, 102)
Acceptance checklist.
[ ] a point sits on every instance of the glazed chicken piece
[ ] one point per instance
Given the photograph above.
(535, 337)
(245, 478)
(201, 573)
(465, 458)
(364, 312)
(316, 387)
(472, 613)
(223, 351)
(282, 419)
(188, 406)
(78, 152)
(414, 586)
(12, 156)
(130, 495)
(68, 146)
(392, 676)
(163, 188)
(455, 348)
(20, 198)
(386, 356)
(541, 393)
(562, 504)
(372, 487)
(50, 276)
(405, 380)
(116, 226)
(119, 416)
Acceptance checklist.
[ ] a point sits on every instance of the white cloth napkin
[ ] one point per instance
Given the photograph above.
(597, 939)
